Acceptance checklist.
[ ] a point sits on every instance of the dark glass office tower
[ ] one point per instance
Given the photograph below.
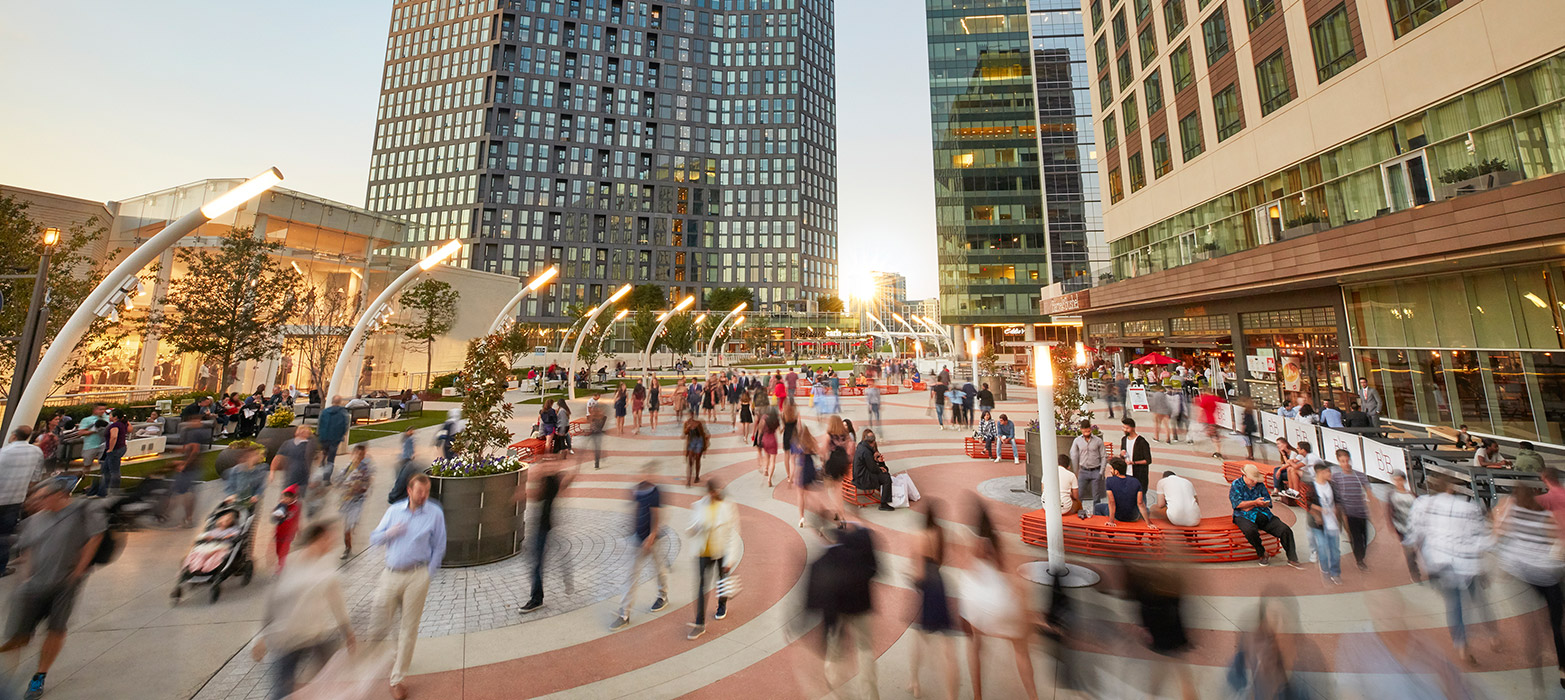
(1077, 250)
(686, 143)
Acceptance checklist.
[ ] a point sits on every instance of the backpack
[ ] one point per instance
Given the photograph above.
(109, 546)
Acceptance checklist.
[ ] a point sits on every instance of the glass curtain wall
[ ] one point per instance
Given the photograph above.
(1481, 348)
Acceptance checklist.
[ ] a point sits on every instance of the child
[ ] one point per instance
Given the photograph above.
(212, 546)
(286, 517)
(355, 484)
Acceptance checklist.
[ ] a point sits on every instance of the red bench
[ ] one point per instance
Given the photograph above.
(859, 390)
(858, 497)
(1234, 469)
(1216, 539)
(975, 449)
(915, 386)
(527, 448)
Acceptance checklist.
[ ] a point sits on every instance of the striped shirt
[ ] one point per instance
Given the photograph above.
(1525, 546)
(1450, 532)
(1350, 487)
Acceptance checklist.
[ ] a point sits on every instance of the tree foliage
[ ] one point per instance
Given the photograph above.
(430, 307)
(485, 377)
(73, 274)
(326, 317)
(231, 303)
(831, 305)
(642, 323)
(683, 333)
(592, 348)
(724, 299)
(646, 297)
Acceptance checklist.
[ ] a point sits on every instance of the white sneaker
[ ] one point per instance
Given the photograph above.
(1313, 557)
(996, 458)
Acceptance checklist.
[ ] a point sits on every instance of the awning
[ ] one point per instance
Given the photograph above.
(1197, 341)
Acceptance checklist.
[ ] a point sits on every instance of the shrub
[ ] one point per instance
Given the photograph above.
(1467, 172)
(280, 418)
(443, 381)
(1304, 220)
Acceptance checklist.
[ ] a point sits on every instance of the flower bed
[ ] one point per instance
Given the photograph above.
(462, 466)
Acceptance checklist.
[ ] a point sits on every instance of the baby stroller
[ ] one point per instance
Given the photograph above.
(149, 499)
(212, 561)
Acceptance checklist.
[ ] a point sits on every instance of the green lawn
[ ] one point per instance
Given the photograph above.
(377, 430)
(839, 366)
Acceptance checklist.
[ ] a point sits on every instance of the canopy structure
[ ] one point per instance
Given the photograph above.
(1155, 358)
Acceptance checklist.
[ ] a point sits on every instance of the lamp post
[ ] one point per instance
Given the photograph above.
(340, 384)
(117, 286)
(889, 339)
(719, 329)
(918, 347)
(646, 356)
(975, 346)
(533, 286)
(586, 330)
(939, 335)
(31, 340)
(1053, 515)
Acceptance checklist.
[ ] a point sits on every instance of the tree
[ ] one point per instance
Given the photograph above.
(831, 305)
(326, 317)
(432, 306)
(230, 304)
(72, 276)
(642, 324)
(724, 299)
(592, 346)
(646, 297)
(682, 333)
(485, 377)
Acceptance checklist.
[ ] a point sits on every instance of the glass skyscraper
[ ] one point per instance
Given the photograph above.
(1007, 221)
(687, 143)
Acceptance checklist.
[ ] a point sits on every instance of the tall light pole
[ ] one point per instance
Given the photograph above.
(940, 337)
(889, 339)
(646, 356)
(1053, 512)
(533, 286)
(719, 329)
(975, 346)
(28, 344)
(340, 384)
(586, 330)
(918, 346)
(118, 285)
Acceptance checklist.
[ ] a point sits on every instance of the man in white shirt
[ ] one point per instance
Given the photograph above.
(1068, 487)
(1176, 501)
(20, 468)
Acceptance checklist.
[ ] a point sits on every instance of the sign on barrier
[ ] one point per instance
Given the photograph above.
(1300, 431)
(1333, 440)
(1137, 397)
(1238, 416)
(1272, 427)
(1223, 416)
(1380, 461)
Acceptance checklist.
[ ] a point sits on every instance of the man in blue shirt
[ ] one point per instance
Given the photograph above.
(332, 428)
(414, 533)
(1253, 513)
(644, 536)
(1329, 415)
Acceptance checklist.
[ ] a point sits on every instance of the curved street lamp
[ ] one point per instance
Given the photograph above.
(340, 384)
(646, 356)
(918, 346)
(119, 285)
(586, 330)
(707, 361)
(939, 334)
(537, 283)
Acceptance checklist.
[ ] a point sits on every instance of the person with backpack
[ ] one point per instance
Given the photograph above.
(63, 537)
(446, 436)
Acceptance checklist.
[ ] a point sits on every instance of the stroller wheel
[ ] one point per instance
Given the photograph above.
(217, 590)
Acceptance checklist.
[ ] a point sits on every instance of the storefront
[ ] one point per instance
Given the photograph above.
(1481, 348)
(1294, 352)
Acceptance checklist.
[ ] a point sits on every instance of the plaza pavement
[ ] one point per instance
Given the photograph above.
(127, 641)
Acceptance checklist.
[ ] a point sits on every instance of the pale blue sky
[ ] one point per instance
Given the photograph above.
(106, 100)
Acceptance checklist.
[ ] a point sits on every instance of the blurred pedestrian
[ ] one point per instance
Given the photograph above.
(696, 442)
(355, 486)
(1355, 498)
(1400, 508)
(839, 588)
(414, 533)
(1262, 668)
(597, 420)
(646, 502)
(1395, 662)
(805, 473)
(934, 622)
(61, 537)
(1158, 592)
(306, 619)
(332, 428)
(1325, 515)
(21, 466)
(714, 528)
(621, 401)
(1451, 534)
(992, 607)
(554, 477)
(294, 459)
(285, 523)
(872, 401)
(1527, 538)
(766, 444)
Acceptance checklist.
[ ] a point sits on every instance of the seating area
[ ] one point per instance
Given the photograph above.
(915, 386)
(852, 495)
(1234, 468)
(859, 390)
(975, 449)
(1215, 540)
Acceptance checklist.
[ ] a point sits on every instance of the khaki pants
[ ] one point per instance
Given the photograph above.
(404, 591)
(659, 566)
(857, 626)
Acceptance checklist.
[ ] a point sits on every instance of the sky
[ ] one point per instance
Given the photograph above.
(107, 100)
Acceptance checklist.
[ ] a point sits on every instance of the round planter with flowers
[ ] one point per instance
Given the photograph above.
(483, 517)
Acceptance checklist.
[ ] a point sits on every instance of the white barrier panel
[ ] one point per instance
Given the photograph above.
(1272, 426)
(1137, 397)
(1333, 440)
(1300, 431)
(1381, 460)
(1238, 416)
(1223, 416)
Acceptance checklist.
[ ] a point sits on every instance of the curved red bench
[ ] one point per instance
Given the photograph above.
(975, 449)
(857, 497)
(1234, 469)
(1216, 539)
(527, 448)
(915, 386)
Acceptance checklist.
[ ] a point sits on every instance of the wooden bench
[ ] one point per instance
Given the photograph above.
(1215, 539)
(858, 497)
(1234, 469)
(975, 448)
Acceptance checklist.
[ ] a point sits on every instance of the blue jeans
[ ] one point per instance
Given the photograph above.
(1328, 551)
(285, 666)
(1454, 590)
(540, 543)
(9, 516)
(108, 473)
(940, 414)
(989, 441)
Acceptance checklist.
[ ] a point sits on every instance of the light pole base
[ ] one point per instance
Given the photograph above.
(1071, 576)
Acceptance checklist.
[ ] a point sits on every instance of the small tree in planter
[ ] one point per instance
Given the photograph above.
(989, 369)
(484, 379)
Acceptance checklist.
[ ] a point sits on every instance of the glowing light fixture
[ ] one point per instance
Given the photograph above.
(543, 278)
(440, 254)
(241, 194)
(1081, 354)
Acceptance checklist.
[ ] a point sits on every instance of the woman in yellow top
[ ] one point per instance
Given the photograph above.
(714, 527)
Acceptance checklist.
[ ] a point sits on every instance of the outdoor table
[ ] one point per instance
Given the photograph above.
(1383, 431)
(1412, 442)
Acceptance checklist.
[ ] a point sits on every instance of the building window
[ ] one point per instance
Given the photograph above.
(1132, 115)
(1105, 91)
(1201, 4)
(1121, 34)
(1407, 15)
(1173, 18)
(1271, 77)
(1142, 8)
(1116, 187)
(1126, 76)
(1162, 158)
(1153, 88)
(1181, 67)
(1230, 116)
(1258, 10)
(1097, 15)
(1102, 50)
(1138, 177)
(1110, 132)
(1190, 142)
(1333, 43)
(1148, 44)
(1215, 30)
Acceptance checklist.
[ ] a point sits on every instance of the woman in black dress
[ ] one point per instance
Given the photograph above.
(934, 609)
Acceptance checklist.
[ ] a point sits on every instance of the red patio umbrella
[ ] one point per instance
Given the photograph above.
(1155, 358)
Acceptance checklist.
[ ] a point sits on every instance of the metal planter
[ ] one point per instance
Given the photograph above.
(483, 519)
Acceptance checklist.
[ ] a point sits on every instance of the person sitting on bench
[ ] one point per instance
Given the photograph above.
(1253, 513)
(1176, 501)
(869, 470)
(1126, 503)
